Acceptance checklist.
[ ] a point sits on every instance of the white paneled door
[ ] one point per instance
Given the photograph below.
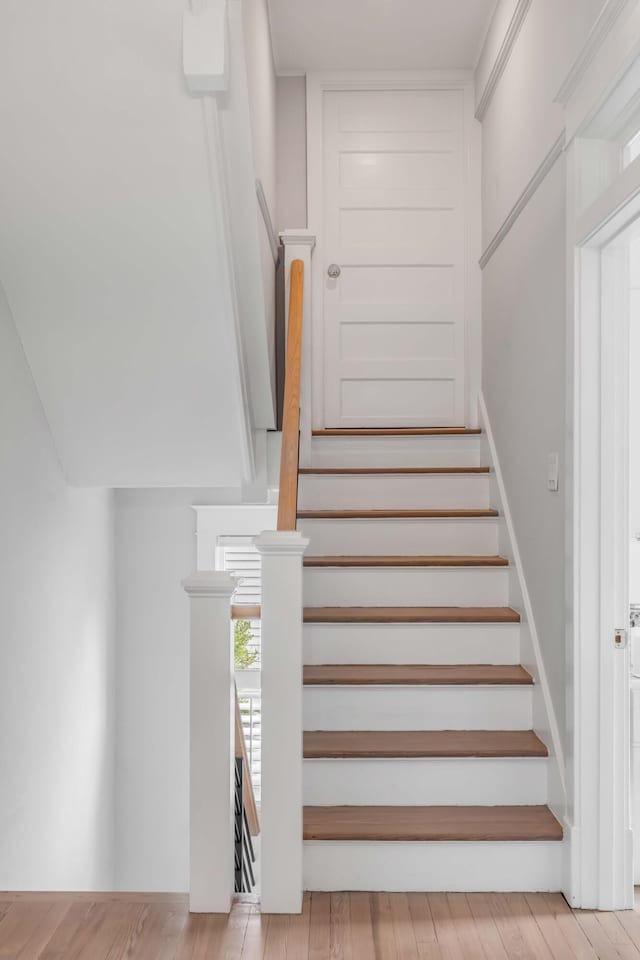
(394, 224)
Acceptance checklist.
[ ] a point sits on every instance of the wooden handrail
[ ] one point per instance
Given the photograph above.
(288, 496)
(248, 795)
(245, 611)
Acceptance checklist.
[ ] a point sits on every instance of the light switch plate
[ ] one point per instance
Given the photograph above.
(553, 469)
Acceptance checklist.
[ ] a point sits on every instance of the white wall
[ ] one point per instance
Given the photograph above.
(56, 681)
(524, 302)
(634, 434)
(155, 550)
(291, 152)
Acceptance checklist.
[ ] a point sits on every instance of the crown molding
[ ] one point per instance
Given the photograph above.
(503, 57)
(597, 35)
(523, 199)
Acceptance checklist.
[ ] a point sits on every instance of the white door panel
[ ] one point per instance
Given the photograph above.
(394, 222)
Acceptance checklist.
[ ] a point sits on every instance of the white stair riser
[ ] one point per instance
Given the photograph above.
(456, 451)
(406, 586)
(408, 491)
(417, 708)
(401, 537)
(411, 643)
(430, 867)
(424, 781)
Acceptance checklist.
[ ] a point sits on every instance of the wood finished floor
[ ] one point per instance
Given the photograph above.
(337, 926)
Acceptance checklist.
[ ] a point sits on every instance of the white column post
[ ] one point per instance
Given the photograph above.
(298, 245)
(281, 804)
(212, 732)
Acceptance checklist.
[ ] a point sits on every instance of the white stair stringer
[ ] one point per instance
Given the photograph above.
(436, 643)
(454, 866)
(422, 780)
(409, 707)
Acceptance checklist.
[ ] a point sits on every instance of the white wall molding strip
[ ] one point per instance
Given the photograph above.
(504, 54)
(597, 35)
(557, 747)
(524, 199)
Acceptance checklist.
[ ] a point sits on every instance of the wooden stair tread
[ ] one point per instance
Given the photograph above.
(454, 560)
(411, 615)
(395, 431)
(415, 674)
(505, 823)
(392, 471)
(344, 744)
(393, 514)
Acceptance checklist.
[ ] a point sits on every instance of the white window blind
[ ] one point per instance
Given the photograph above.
(240, 558)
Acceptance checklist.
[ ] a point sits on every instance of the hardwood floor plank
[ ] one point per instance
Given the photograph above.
(597, 936)
(486, 928)
(19, 923)
(58, 946)
(508, 928)
(630, 920)
(444, 926)
(42, 931)
(320, 926)
(406, 944)
(336, 744)
(425, 932)
(531, 934)
(549, 928)
(466, 931)
(298, 939)
(236, 930)
(255, 936)
(341, 942)
(361, 925)
(276, 943)
(617, 935)
(571, 930)
(383, 934)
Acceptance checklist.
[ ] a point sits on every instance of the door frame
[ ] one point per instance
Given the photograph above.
(317, 85)
(600, 869)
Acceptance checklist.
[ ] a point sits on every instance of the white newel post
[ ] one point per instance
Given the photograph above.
(212, 716)
(298, 245)
(281, 806)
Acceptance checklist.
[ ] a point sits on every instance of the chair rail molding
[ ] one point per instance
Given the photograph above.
(524, 198)
(502, 58)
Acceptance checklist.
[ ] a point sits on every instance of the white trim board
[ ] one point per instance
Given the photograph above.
(503, 56)
(527, 194)
(317, 84)
(599, 32)
(544, 718)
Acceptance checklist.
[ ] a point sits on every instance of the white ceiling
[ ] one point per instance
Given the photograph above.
(377, 34)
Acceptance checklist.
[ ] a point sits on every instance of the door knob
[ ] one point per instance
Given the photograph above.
(333, 270)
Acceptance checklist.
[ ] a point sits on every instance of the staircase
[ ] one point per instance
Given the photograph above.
(421, 770)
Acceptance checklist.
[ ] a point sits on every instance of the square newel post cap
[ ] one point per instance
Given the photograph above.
(300, 238)
(281, 543)
(210, 583)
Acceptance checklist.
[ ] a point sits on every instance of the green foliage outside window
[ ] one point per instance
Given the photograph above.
(244, 657)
